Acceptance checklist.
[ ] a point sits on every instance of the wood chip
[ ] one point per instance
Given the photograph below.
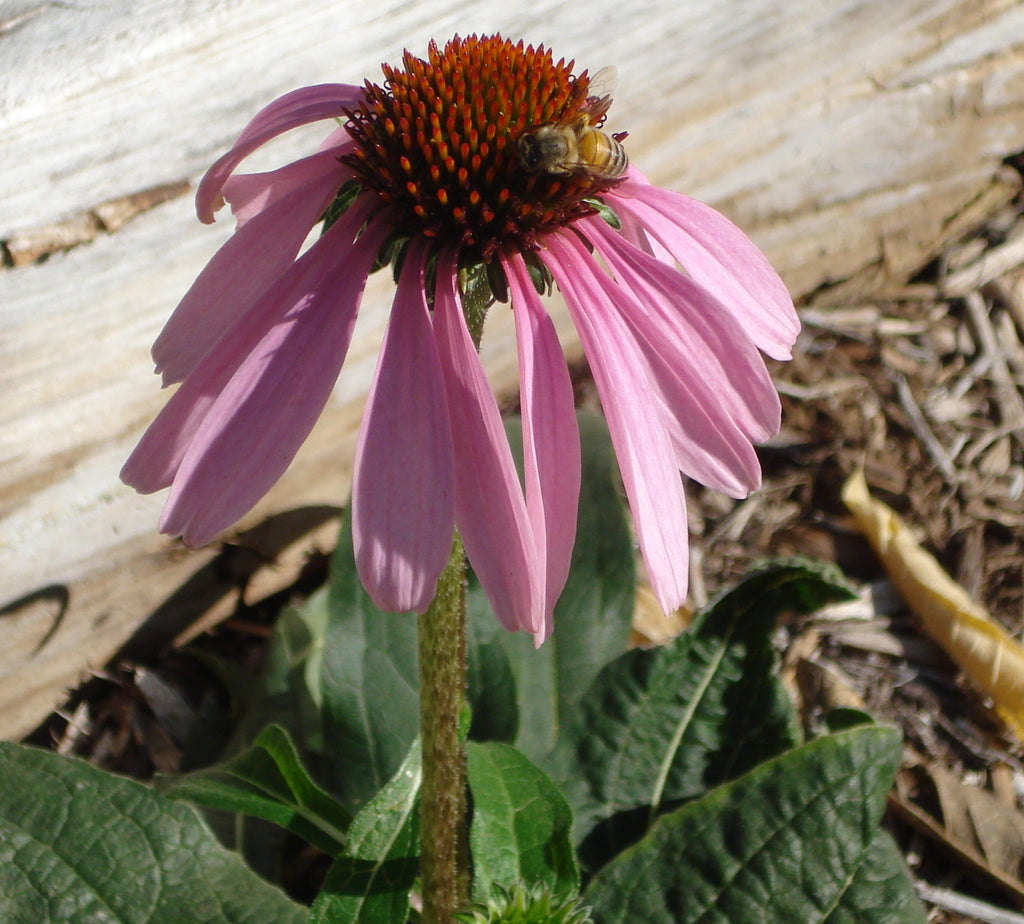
(934, 448)
(1011, 405)
(992, 263)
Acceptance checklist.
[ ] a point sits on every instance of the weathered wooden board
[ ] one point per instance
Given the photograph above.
(850, 137)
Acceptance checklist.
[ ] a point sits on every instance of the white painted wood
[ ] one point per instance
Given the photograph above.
(849, 137)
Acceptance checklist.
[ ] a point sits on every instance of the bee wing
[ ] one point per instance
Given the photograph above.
(599, 93)
(604, 82)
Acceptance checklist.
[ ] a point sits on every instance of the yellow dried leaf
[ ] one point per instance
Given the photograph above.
(651, 625)
(982, 649)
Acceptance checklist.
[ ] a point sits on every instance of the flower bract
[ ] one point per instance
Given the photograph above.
(425, 172)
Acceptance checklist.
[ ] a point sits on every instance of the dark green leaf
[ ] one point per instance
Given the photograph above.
(881, 890)
(267, 780)
(594, 613)
(592, 617)
(490, 682)
(664, 725)
(79, 846)
(796, 839)
(522, 826)
(368, 685)
(797, 585)
(372, 881)
(846, 717)
(289, 693)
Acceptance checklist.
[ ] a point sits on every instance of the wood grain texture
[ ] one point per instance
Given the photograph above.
(851, 138)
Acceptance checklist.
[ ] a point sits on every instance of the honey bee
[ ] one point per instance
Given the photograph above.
(576, 147)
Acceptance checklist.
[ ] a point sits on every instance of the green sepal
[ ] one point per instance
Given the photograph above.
(605, 212)
(525, 905)
(340, 204)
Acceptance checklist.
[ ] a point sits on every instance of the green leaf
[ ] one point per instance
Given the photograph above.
(592, 617)
(79, 846)
(290, 688)
(522, 826)
(491, 685)
(287, 693)
(881, 889)
(267, 780)
(372, 881)
(846, 717)
(783, 585)
(665, 724)
(368, 684)
(796, 839)
(367, 672)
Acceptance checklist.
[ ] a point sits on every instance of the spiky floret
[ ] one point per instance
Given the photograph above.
(437, 142)
(522, 905)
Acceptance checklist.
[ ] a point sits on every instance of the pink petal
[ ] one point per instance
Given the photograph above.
(644, 452)
(718, 256)
(489, 508)
(551, 442)
(699, 338)
(248, 263)
(248, 194)
(234, 425)
(708, 445)
(300, 107)
(403, 487)
(634, 231)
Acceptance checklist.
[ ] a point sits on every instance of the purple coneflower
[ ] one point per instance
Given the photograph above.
(429, 173)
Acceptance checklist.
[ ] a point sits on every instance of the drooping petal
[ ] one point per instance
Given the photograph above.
(708, 445)
(719, 256)
(644, 451)
(700, 338)
(249, 194)
(247, 264)
(403, 486)
(235, 424)
(634, 231)
(490, 511)
(551, 441)
(300, 107)
(155, 461)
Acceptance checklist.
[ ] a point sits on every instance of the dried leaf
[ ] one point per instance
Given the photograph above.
(651, 625)
(986, 653)
(976, 822)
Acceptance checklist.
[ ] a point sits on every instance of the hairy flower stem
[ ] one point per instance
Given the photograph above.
(442, 660)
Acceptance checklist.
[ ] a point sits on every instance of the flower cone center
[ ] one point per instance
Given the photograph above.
(438, 142)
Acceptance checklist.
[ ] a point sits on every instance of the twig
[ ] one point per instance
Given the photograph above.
(698, 590)
(1011, 405)
(732, 526)
(1012, 350)
(927, 826)
(820, 389)
(924, 432)
(984, 441)
(1010, 297)
(992, 263)
(949, 900)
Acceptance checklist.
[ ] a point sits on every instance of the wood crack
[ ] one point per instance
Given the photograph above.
(37, 244)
